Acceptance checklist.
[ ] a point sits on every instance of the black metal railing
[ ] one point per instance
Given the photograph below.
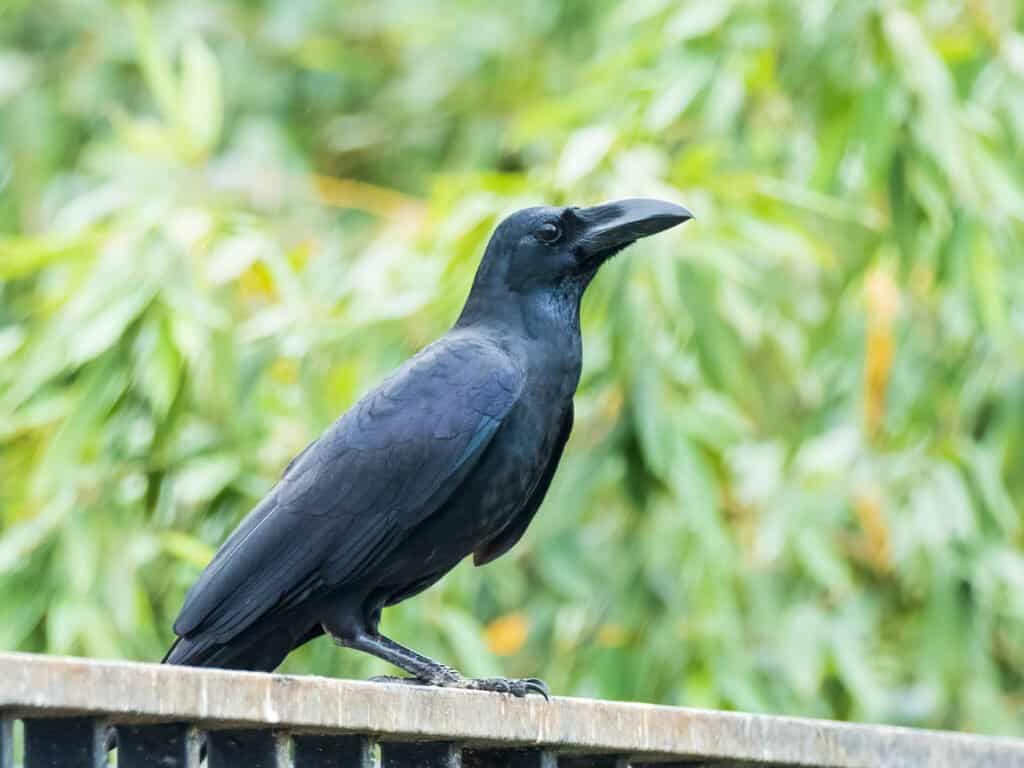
(58, 712)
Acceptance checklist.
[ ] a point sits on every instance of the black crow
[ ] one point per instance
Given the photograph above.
(450, 456)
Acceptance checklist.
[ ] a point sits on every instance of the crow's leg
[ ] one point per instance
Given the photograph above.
(426, 671)
(422, 668)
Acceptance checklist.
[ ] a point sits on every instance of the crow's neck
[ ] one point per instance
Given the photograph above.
(541, 328)
(550, 313)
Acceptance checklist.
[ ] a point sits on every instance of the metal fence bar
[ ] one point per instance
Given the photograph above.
(165, 745)
(65, 742)
(6, 743)
(509, 758)
(420, 754)
(315, 751)
(245, 749)
(571, 730)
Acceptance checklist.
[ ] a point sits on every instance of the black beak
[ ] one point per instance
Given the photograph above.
(609, 228)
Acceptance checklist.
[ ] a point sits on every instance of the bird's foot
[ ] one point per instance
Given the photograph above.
(519, 688)
(441, 677)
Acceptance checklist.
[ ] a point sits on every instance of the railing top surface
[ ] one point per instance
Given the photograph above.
(31, 684)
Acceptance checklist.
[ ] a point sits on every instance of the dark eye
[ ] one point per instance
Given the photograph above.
(549, 232)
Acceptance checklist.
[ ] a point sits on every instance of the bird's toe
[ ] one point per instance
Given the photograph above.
(397, 680)
(513, 687)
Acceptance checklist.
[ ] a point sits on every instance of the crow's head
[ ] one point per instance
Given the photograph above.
(545, 248)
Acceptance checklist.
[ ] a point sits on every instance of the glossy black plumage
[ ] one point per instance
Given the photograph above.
(450, 456)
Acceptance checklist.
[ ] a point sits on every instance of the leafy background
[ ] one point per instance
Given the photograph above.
(797, 476)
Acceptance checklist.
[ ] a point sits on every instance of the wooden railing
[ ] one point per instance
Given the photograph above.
(68, 709)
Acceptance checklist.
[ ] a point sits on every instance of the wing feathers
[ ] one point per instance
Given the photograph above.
(377, 472)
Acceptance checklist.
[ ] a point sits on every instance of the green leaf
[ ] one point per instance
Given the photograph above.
(187, 548)
(584, 150)
(988, 282)
(158, 364)
(21, 256)
(466, 636)
(203, 478)
(201, 104)
(20, 541)
(156, 66)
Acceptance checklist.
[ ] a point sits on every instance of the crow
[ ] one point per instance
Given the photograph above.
(450, 456)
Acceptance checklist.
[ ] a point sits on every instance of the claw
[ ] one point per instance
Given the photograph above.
(533, 685)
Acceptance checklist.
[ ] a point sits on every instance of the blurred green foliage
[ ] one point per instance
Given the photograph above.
(797, 477)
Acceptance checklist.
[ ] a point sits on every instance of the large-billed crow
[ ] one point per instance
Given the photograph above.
(450, 456)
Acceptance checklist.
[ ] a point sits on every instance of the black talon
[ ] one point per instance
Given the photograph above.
(533, 685)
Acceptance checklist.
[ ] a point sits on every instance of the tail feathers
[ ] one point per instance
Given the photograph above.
(170, 651)
(235, 654)
(255, 651)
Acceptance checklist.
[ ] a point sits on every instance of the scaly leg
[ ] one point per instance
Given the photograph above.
(426, 671)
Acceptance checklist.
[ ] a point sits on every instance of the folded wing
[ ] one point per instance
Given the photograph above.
(351, 496)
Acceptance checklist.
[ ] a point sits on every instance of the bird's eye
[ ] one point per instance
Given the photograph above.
(549, 232)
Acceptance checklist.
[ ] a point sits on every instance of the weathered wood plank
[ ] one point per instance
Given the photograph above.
(313, 751)
(165, 745)
(64, 742)
(245, 749)
(140, 692)
(420, 754)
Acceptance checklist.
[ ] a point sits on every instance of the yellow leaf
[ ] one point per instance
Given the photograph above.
(883, 299)
(256, 282)
(285, 371)
(507, 634)
(873, 522)
(612, 636)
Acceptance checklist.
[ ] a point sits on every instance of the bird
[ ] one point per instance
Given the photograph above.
(449, 457)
